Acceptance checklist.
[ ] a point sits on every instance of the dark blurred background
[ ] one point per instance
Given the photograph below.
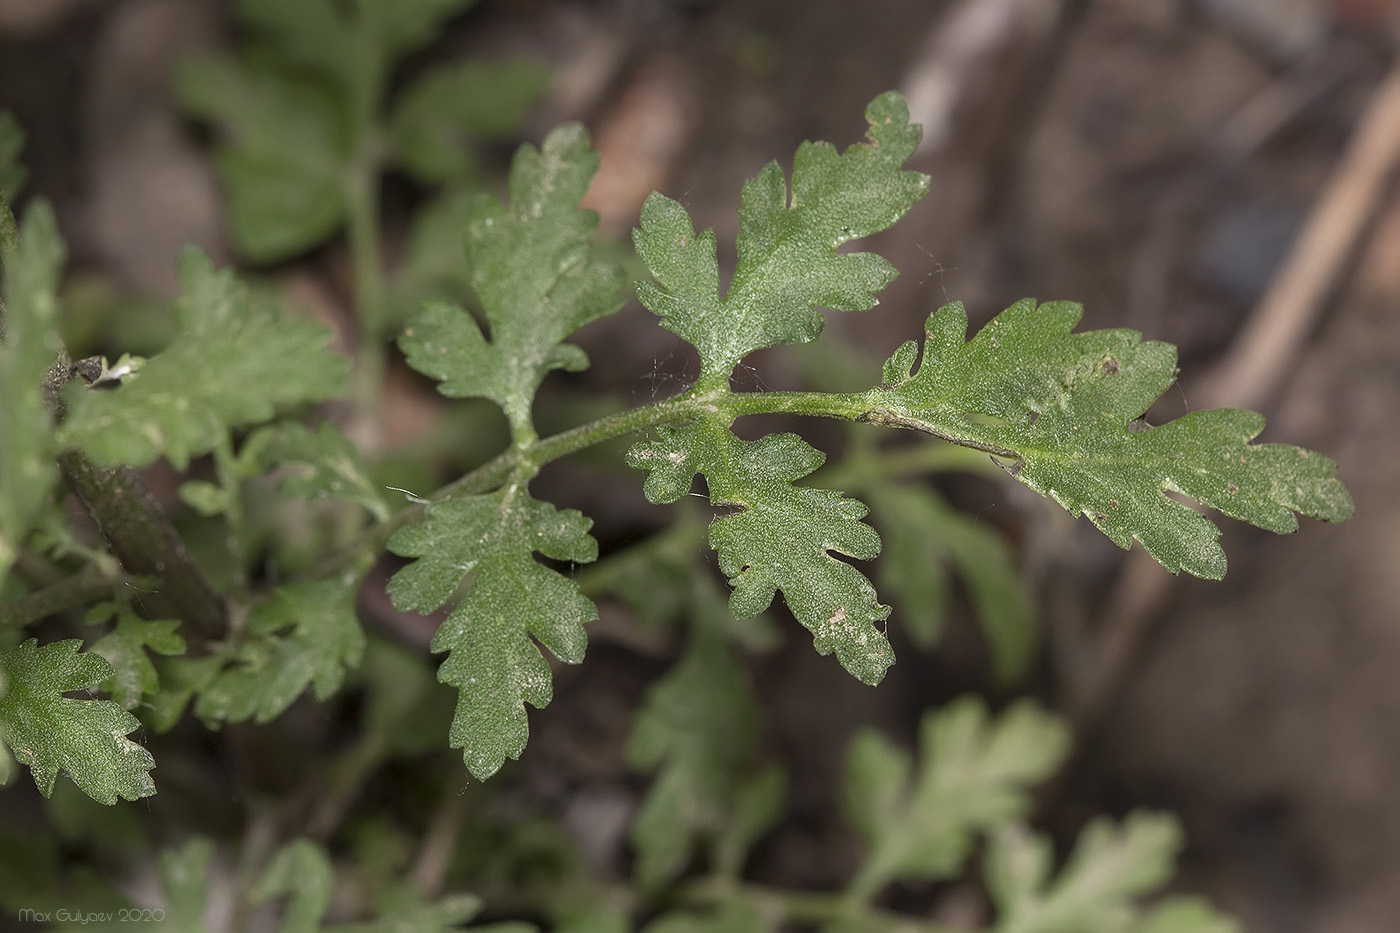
(1216, 173)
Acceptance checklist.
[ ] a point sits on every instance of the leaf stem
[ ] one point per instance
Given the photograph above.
(717, 404)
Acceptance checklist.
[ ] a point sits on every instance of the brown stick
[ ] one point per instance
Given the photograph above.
(1266, 347)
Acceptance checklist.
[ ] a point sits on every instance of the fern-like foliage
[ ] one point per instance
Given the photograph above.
(85, 739)
(535, 281)
(780, 536)
(788, 264)
(305, 635)
(1061, 408)
(1111, 866)
(537, 285)
(514, 600)
(971, 780)
(1056, 407)
(973, 774)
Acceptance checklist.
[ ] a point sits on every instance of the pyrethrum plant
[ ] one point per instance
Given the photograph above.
(1058, 410)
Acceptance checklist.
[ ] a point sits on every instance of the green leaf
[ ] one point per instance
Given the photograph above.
(1111, 865)
(437, 117)
(513, 601)
(781, 537)
(31, 344)
(1062, 407)
(282, 155)
(698, 727)
(133, 675)
(307, 634)
(973, 775)
(184, 877)
(84, 738)
(788, 262)
(233, 364)
(319, 465)
(302, 870)
(924, 536)
(531, 271)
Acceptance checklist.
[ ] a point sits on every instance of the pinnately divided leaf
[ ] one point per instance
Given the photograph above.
(1061, 408)
(973, 775)
(513, 601)
(781, 536)
(1111, 867)
(233, 364)
(536, 282)
(787, 263)
(52, 733)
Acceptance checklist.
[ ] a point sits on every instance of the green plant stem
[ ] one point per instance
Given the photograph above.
(860, 406)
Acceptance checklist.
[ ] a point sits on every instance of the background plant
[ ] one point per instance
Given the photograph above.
(1054, 415)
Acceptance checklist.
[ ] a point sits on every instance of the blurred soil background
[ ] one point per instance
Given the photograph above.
(1219, 174)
